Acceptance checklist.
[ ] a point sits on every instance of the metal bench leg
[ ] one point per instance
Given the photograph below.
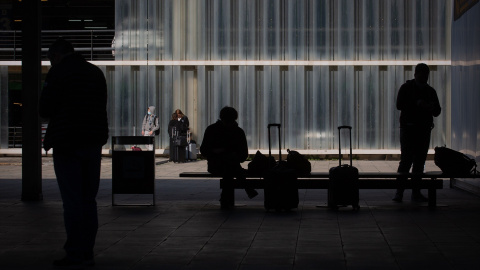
(432, 198)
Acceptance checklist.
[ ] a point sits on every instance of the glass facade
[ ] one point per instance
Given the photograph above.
(465, 96)
(310, 65)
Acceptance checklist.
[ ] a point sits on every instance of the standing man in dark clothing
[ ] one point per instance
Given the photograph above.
(225, 147)
(418, 103)
(74, 99)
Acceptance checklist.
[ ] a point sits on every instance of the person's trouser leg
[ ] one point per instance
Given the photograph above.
(78, 176)
(406, 160)
(420, 155)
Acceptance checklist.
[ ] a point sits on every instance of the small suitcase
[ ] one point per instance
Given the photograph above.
(343, 181)
(281, 191)
(192, 150)
(191, 147)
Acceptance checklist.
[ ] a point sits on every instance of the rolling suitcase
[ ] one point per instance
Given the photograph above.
(191, 147)
(172, 150)
(180, 149)
(281, 191)
(343, 180)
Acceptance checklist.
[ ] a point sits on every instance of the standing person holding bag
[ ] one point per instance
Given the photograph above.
(150, 125)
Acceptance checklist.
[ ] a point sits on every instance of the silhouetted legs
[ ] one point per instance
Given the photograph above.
(78, 177)
(414, 143)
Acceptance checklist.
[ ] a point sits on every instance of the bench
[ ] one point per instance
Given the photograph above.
(320, 180)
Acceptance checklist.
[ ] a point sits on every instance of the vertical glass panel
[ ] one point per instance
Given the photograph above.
(369, 40)
(320, 30)
(369, 113)
(344, 20)
(251, 120)
(394, 30)
(4, 100)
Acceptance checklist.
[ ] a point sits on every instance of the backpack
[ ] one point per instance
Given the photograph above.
(454, 162)
(298, 162)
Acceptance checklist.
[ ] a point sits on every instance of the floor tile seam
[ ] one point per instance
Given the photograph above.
(299, 228)
(211, 236)
(392, 253)
(342, 243)
(251, 242)
(435, 244)
(159, 243)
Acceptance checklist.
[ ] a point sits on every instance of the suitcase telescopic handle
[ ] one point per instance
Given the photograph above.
(339, 147)
(279, 141)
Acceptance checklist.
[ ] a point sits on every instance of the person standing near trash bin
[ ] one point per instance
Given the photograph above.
(150, 124)
(74, 100)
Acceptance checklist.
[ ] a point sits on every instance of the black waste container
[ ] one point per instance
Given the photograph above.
(133, 168)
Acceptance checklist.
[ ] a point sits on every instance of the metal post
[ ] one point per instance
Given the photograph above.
(31, 80)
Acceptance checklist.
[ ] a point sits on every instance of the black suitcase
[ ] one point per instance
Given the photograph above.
(173, 149)
(180, 149)
(343, 181)
(281, 191)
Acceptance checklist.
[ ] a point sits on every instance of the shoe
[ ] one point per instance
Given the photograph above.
(398, 197)
(252, 193)
(89, 262)
(68, 263)
(419, 198)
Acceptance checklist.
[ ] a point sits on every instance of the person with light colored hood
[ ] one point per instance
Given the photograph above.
(150, 124)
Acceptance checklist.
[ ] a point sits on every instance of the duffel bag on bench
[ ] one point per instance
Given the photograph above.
(454, 162)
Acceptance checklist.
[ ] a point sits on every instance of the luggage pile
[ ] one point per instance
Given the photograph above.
(281, 191)
(182, 147)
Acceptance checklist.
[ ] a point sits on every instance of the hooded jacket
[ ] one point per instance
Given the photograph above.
(224, 146)
(74, 100)
(150, 121)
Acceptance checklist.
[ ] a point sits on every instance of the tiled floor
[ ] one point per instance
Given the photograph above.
(187, 230)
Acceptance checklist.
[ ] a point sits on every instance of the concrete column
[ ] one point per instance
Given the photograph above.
(31, 87)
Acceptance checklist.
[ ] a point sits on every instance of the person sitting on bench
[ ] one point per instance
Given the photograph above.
(225, 147)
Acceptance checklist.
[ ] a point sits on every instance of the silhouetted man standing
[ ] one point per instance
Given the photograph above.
(418, 103)
(74, 99)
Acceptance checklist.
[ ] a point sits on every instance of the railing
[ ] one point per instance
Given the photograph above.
(92, 44)
(15, 136)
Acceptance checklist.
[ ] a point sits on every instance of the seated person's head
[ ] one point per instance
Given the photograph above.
(228, 115)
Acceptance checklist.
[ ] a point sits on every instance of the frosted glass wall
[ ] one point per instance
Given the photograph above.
(310, 65)
(465, 83)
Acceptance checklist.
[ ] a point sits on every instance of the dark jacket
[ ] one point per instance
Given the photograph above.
(418, 105)
(225, 147)
(74, 99)
(182, 125)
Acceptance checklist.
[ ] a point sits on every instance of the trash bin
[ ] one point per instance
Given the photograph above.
(133, 168)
